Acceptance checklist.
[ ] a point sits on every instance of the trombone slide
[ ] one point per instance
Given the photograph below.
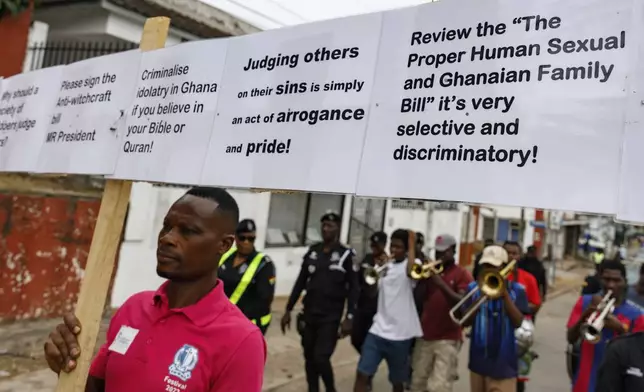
(491, 286)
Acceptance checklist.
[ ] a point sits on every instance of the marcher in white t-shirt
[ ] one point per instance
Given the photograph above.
(396, 323)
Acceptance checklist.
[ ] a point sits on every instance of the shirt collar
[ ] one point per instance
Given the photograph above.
(205, 311)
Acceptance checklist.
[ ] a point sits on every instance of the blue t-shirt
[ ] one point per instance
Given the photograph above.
(493, 351)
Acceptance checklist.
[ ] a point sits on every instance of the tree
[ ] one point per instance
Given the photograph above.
(12, 7)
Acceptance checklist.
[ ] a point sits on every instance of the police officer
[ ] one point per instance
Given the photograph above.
(330, 279)
(249, 276)
(622, 368)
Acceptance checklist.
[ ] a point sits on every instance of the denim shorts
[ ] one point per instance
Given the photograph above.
(394, 352)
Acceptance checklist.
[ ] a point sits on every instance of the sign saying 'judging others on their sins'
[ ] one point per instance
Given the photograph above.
(508, 98)
(293, 107)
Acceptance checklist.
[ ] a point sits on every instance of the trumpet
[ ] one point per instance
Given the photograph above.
(591, 330)
(372, 274)
(491, 286)
(426, 270)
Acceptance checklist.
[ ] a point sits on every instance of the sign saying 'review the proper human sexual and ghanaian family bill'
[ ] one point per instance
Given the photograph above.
(293, 107)
(26, 102)
(83, 134)
(169, 123)
(506, 97)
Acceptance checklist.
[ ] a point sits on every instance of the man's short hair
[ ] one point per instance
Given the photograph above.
(402, 235)
(613, 265)
(531, 249)
(226, 204)
(512, 243)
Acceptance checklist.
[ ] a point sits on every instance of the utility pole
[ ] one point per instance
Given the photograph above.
(522, 227)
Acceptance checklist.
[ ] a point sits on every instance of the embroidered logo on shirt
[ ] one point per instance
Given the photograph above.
(335, 256)
(633, 371)
(184, 363)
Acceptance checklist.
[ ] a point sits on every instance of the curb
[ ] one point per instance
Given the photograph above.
(302, 375)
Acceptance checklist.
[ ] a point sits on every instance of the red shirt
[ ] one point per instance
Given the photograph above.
(206, 347)
(530, 285)
(436, 323)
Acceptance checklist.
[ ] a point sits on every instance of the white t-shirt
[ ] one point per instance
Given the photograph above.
(396, 318)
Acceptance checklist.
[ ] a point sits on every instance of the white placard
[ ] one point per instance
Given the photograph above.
(26, 104)
(504, 104)
(293, 107)
(169, 124)
(94, 94)
(630, 207)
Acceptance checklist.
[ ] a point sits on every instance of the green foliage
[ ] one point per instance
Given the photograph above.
(12, 7)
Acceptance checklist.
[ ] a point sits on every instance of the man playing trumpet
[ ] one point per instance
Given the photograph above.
(595, 319)
(435, 356)
(494, 308)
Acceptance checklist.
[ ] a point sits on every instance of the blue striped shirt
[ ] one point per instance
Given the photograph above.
(493, 351)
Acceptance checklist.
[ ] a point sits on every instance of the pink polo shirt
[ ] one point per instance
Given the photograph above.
(206, 347)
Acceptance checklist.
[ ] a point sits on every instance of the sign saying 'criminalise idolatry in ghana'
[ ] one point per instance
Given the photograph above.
(26, 103)
(507, 98)
(293, 107)
(83, 135)
(169, 123)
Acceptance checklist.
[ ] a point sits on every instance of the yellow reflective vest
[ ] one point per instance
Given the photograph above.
(245, 281)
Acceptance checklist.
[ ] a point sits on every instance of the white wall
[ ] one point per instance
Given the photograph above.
(98, 22)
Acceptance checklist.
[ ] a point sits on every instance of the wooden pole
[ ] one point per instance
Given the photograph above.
(105, 244)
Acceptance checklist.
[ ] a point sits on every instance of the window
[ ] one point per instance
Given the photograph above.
(294, 219)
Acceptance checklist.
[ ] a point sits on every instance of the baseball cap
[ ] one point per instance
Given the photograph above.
(444, 242)
(494, 255)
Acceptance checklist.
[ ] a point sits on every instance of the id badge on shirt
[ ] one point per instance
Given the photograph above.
(123, 340)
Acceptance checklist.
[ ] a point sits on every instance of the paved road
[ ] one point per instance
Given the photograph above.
(548, 373)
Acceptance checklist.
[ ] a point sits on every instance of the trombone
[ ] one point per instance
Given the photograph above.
(491, 285)
(372, 274)
(426, 270)
(591, 330)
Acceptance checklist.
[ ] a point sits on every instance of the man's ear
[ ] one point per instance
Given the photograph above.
(226, 243)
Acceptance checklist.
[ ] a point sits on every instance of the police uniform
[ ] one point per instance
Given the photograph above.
(330, 280)
(622, 368)
(251, 285)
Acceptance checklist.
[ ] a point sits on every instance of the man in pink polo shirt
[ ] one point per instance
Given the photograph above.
(187, 336)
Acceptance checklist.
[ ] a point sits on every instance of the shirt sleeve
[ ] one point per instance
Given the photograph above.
(532, 290)
(265, 281)
(638, 324)
(576, 312)
(300, 284)
(521, 300)
(464, 281)
(352, 281)
(245, 369)
(609, 377)
(99, 364)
